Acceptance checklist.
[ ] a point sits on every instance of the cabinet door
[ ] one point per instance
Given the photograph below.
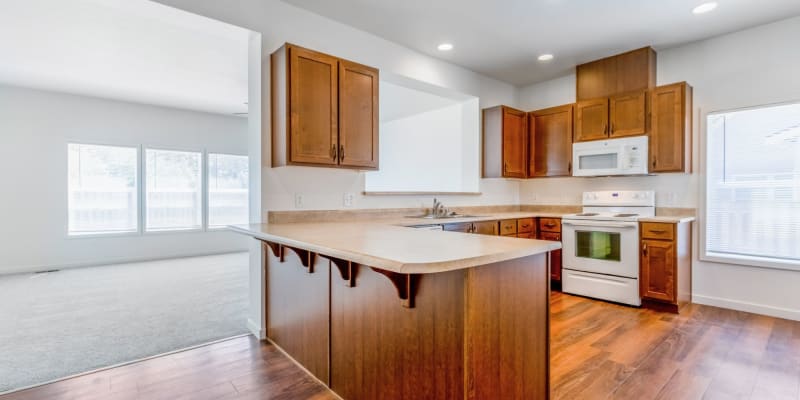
(628, 114)
(550, 133)
(591, 120)
(485, 228)
(668, 136)
(658, 270)
(515, 143)
(596, 79)
(358, 115)
(555, 255)
(313, 107)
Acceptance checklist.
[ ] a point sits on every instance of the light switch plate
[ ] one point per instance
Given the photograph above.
(348, 199)
(298, 200)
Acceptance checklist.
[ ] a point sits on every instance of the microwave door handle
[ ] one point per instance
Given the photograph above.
(600, 224)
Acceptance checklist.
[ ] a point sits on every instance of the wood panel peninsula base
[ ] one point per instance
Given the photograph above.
(369, 333)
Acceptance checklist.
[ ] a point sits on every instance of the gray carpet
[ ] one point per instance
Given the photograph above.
(62, 323)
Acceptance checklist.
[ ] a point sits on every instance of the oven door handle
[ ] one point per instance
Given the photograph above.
(600, 224)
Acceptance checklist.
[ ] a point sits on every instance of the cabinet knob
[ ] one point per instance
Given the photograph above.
(341, 152)
(644, 249)
(333, 152)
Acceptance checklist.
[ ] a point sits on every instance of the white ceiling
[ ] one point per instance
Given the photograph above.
(130, 50)
(502, 38)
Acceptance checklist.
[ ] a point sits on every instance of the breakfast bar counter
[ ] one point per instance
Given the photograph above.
(380, 311)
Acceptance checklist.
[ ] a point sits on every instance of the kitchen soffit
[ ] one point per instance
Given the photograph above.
(503, 38)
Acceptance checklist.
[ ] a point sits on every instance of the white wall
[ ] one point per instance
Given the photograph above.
(751, 67)
(35, 127)
(437, 150)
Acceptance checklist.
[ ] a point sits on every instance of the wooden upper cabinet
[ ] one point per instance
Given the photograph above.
(550, 141)
(635, 70)
(596, 79)
(358, 115)
(591, 120)
(313, 106)
(324, 110)
(671, 128)
(505, 143)
(630, 71)
(628, 114)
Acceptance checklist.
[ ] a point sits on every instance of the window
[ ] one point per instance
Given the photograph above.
(102, 189)
(227, 190)
(753, 186)
(174, 192)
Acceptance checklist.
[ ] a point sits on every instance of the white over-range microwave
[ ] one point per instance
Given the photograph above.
(624, 156)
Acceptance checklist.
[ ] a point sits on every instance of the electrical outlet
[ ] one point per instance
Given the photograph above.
(348, 199)
(298, 200)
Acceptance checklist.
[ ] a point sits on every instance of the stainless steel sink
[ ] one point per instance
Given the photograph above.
(450, 216)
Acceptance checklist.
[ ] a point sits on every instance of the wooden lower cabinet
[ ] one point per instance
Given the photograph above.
(347, 325)
(550, 229)
(481, 228)
(665, 278)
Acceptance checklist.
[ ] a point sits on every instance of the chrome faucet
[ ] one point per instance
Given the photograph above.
(439, 209)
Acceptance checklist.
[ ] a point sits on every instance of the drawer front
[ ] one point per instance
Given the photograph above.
(550, 224)
(508, 227)
(525, 225)
(528, 235)
(485, 228)
(556, 237)
(658, 230)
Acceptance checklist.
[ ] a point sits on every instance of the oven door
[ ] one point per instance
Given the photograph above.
(603, 247)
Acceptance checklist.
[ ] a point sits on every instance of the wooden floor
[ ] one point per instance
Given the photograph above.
(599, 351)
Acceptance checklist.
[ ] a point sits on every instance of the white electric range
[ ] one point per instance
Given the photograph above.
(601, 245)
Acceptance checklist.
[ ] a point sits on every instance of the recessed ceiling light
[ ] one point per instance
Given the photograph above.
(704, 8)
(545, 57)
(445, 47)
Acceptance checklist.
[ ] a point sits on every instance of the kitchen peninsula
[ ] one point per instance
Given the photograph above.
(379, 311)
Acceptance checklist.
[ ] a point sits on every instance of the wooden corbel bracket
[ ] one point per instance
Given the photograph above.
(406, 285)
(347, 269)
(306, 257)
(277, 249)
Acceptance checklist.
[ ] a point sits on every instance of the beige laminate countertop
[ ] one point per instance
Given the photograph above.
(386, 245)
(668, 220)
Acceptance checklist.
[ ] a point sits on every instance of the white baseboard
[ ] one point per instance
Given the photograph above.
(772, 311)
(28, 269)
(256, 330)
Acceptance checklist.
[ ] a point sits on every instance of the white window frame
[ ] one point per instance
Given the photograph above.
(207, 209)
(203, 191)
(139, 226)
(141, 158)
(705, 254)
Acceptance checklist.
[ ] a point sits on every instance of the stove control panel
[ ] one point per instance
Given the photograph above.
(620, 198)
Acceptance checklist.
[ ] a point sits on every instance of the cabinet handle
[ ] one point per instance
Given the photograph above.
(471, 228)
(341, 152)
(644, 249)
(549, 224)
(505, 167)
(605, 129)
(657, 231)
(569, 167)
(525, 226)
(333, 152)
(654, 162)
